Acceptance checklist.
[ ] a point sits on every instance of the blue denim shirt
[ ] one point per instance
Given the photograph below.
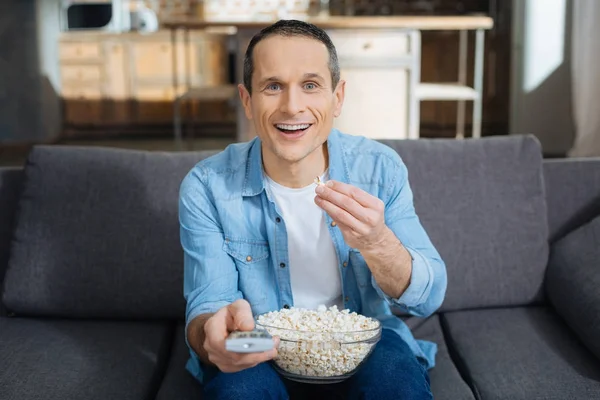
(234, 238)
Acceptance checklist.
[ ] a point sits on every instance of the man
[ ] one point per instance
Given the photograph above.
(259, 236)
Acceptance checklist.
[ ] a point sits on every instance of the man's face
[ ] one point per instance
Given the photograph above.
(293, 103)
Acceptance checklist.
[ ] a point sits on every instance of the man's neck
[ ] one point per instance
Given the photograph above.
(300, 174)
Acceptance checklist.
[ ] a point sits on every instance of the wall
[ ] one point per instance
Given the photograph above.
(541, 73)
(48, 22)
(29, 106)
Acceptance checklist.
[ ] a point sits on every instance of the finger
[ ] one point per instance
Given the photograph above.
(341, 216)
(215, 331)
(251, 359)
(216, 327)
(241, 316)
(345, 202)
(362, 197)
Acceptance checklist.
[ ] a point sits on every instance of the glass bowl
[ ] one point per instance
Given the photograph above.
(321, 357)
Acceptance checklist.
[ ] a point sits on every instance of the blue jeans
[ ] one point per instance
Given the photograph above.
(391, 372)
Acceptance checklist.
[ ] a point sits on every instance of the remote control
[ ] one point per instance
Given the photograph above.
(255, 341)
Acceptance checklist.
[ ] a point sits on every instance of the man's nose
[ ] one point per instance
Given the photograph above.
(292, 102)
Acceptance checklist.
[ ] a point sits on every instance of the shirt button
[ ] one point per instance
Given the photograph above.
(345, 264)
(347, 299)
(249, 258)
(278, 220)
(282, 265)
(333, 223)
(286, 306)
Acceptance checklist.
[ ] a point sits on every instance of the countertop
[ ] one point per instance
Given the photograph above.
(469, 22)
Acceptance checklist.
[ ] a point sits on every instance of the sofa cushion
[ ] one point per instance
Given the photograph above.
(178, 382)
(572, 193)
(97, 234)
(482, 202)
(521, 353)
(573, 282)
(63, 359)
(446, 382)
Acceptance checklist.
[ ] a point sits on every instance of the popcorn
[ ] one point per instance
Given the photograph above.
(318, 181)
(321, 342)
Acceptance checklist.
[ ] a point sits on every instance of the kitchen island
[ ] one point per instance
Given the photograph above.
(380, 59)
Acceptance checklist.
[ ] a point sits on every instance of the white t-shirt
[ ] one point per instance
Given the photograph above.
(313, 263)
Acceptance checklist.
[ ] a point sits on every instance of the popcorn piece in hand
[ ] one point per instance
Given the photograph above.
(318, 181)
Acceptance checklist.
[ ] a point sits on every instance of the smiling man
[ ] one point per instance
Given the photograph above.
(259, 236)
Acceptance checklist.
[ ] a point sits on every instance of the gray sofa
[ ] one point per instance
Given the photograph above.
(92, 266)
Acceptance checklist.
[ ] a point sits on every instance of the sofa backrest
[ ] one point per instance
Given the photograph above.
(10, 190)
(97, 234)
(482, 203)
(572, 193)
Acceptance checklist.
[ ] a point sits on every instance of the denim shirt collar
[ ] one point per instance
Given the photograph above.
(254, 182)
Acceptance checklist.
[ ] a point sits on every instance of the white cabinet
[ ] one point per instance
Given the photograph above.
(375, 103)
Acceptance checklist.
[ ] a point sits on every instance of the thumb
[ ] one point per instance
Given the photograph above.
(241, 316)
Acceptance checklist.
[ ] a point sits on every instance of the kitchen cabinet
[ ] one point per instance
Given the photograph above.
(124, 81)
(374, 91)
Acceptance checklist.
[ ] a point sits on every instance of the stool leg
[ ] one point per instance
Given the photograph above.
(189, 124)
(177, 123)
(193, 123)
(478, 84)
(414, 103)
(462, 79)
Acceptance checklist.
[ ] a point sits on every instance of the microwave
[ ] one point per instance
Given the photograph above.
(99, 15)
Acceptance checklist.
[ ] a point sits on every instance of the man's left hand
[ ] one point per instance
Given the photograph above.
(358, 214)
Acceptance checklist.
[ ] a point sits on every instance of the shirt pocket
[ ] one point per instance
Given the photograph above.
(252, 263)
(247, 252)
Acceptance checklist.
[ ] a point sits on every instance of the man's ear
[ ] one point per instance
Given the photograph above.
(246, 100)
(338, 95)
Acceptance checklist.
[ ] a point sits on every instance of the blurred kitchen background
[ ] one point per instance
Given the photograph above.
(140, 74)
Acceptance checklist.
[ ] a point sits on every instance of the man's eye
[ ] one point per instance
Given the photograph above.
(273, 86)
(310, 86)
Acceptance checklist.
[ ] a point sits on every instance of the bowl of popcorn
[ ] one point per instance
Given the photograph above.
(322, 345)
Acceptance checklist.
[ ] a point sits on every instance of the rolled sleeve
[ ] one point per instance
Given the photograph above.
(194, 311)
(419, 288)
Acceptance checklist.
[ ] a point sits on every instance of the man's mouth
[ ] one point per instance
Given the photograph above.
(292, 129)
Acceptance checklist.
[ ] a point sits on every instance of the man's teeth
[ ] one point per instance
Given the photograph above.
(292, 127)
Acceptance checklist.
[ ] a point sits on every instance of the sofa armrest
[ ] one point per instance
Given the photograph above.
(573, 282)
(572, 193)
(10, 190)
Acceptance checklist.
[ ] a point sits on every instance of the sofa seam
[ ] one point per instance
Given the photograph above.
(459, 362)
(165, 354)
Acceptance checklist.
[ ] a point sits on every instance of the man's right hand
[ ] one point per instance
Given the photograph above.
(236, 316)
